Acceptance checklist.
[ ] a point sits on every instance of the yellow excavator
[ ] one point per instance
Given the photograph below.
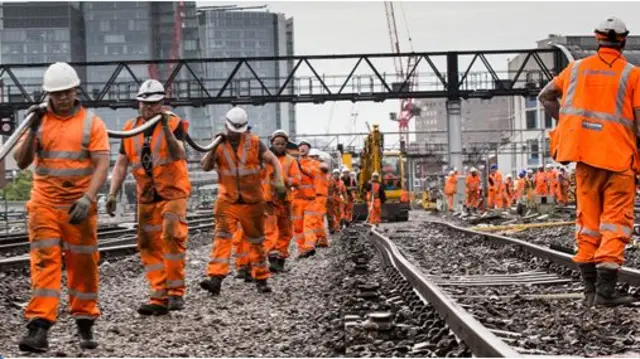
(390, 166)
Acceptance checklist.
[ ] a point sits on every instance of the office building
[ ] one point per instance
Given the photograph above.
(241, 33)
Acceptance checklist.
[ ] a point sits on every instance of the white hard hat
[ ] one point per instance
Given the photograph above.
(60, 76)
(304, 142)
(509, 176)
(280, 133)
(612, 24)
(529, 171)
(324, 165)
(451, 173)
(237, 120)
(336, 171)
(314, 152)
(473, 169)
(375, 174)
(549, 167)
(345, 170)
(150, 91)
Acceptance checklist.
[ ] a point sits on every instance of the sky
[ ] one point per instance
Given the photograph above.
(361, 27)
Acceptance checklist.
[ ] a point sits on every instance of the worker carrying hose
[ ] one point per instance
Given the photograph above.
(472, 183)
(70, 147)
(450, 189)
(320, 203)
(375, 198)
(237, 159)
(351, 188)
(494, 199)
(159, 165)
(279, 227)
(597, 127)
(303, 203)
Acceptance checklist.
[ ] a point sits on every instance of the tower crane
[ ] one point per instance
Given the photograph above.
(407, 108)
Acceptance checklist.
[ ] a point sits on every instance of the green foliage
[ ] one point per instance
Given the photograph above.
(20, 188)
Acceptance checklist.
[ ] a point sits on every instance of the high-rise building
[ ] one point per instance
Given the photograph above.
(240, 33)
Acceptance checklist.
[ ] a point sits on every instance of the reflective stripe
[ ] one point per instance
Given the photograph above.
(46, 293)
(259, 265)
(229, 158)
(608, 265)
(83, 296)
(44, 243)
(174, 256)
(84, 316)
(223, 235)
(312, 213)
(152, 228)
(296, 217)
(257, 240)
(67, 155)
(158, 294)
(79, 248)
(86, 130)
(610, 227)
(616, 117)
(305, 186)
(153, 267)
(175, 283)
(241, 255)
(219, 260)
(589, 232)
(64, 172)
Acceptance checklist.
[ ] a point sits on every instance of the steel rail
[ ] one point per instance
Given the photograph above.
(24, 261)
(627, 275)
(481, 341)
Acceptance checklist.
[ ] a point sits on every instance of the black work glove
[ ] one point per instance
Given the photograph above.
(38, 112)
(79, 211)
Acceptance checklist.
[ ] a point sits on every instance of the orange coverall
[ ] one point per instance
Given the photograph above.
(320, 209)
(473, 185)
(494, 199)
(375, 208)
(303, 207)
(450, 190)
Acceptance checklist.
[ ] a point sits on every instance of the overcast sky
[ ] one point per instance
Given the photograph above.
(361, 27)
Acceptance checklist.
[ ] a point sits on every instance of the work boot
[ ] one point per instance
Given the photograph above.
(212, 285)
(243, 273)
(262, 286)
(86, 334)
(36, 340)
(606, 294)
(176, 302)
(153, 309)
(307, 254)
(589, 277)
(274, 264)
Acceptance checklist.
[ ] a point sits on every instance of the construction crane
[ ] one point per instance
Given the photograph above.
(178, 20)
(407, 108)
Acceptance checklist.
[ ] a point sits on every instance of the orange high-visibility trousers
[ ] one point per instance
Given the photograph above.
(279, 230)
(491, 198)
(604, 219)
(251, 218)
(51, 236)
(303, 225)
(320, 211)
(472, 199)
(347, 212)
(241, 248)
(334, 214)
(375, 211)
(162, 242)
(450, 202)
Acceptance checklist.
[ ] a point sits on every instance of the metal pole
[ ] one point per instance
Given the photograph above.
(542, 131)
(454, 116)
(6, 215)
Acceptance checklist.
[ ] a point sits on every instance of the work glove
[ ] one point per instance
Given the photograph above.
(111, 205)
(79, 211)
(281, 189)
(38, 112)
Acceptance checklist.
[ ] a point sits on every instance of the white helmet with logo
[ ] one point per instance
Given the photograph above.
(60, 76)
(151, 91)
(237, 120)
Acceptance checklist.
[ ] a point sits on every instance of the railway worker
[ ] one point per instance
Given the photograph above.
(520, 185)
(279, 228)
(450, 189)
(303, 203)
(508, 191)
(541, 182)
(320, 206)
(375, 198)
(494, 200)
(337, 195)
(70, 147)
(552, 180)
(597, 128)
(351, 188)
(237, 160)
(159, 166)
(562, 189)
(472, 183)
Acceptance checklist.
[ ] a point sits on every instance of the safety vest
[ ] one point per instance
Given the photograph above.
(170, 178)
(63, 166)
(473, 183)
(322, 184)
(290, 172)
(496, 177)
(309, 171)
(450, 185)
(267, 174)
(597, 123)
(375, 189)
(239, 172)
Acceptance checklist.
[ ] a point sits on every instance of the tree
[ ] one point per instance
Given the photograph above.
(20, 188)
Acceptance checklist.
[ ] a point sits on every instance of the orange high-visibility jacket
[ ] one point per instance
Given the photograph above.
(239, 173)
(450, 185)
(520, 187)
(290, 172)
(267, 174)
(170, 177)
(322, 184)
(597, 124)
(473, 183)
(541, 182)
(63, 166)
(496, 177)
(309, 170)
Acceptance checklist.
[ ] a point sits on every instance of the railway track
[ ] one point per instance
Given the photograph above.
(108, 244)
(505, 297)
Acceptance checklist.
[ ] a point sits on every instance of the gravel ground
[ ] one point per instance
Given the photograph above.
(294, 320)
(537, 326)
